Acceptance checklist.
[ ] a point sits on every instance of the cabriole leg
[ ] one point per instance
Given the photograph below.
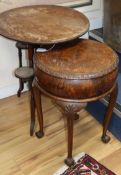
(37, 97)
(113, 95)
(70, 111)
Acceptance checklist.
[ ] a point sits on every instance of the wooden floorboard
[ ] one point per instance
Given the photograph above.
(21, 154)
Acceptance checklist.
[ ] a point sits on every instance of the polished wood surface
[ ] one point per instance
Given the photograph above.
(21, 154)
(45, 24)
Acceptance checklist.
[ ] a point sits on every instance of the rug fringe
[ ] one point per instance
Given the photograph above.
(64, 167)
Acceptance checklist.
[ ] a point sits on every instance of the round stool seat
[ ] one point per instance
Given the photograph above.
(84, 69)
(24, 72)
(25, 46)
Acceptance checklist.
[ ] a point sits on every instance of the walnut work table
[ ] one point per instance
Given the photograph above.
(74, 74)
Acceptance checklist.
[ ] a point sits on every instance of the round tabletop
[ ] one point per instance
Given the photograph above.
(43, 24)
(82, 59)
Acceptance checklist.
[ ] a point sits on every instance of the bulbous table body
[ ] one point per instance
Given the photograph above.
(80, 71)
(73, 74)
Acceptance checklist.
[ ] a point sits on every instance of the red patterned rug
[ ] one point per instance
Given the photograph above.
(85, 165)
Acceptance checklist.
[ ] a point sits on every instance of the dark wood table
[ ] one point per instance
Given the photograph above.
(42, 24)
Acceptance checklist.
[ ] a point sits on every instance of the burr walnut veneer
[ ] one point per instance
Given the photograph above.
(73, 74)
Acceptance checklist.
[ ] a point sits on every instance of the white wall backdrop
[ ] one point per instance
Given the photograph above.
(9, 57)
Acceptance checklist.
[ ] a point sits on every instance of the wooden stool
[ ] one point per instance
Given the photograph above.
(25, 74)
(73, 75)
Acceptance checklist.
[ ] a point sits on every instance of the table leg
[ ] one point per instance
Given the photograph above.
(70, 111)
(30, 55)
(32, 109)
(37, 97)
(32, 101)
(113, 95)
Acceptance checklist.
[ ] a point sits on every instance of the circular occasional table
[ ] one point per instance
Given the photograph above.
(42, 24)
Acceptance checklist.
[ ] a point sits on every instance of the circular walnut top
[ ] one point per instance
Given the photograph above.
(83, 59)
(43, 24)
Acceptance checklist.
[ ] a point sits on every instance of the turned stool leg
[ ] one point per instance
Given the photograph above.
(37, 98)
(21, 87)
(32, 107)
(21, 84)
(105, 138)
